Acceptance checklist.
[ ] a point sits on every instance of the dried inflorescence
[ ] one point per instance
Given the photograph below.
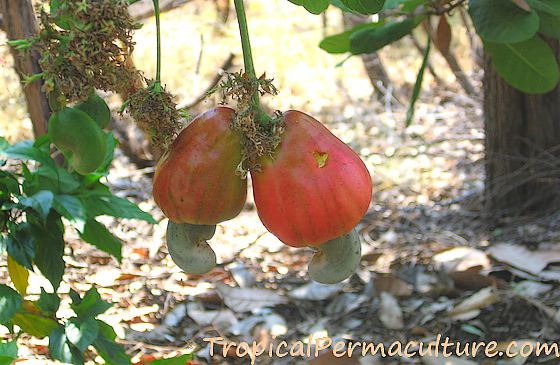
(156, 113)
(260, 139)
(85, 45)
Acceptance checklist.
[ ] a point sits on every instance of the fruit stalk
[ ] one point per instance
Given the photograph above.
(262, 117)
(157, 84)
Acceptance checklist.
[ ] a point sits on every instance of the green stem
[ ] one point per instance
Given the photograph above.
(246, 45)
(157, 83)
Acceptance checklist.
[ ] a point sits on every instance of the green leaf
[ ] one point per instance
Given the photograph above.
(313, 6)
(41, 202)
(96, 234)
(551, 7)
(69, 207)
(8, 352)
(103, 170)
(20, 246)
(340, 43)
(407, 5)
(529, 66)
(4, 144)
(418, 85)
(61, 349)
(10, 303)
(26, 151)
(34, 324)
(97, 204)
(48, 302)
(57, 180)
(111, 352)
(501, 21)
(49, 248)
(550, 25)
(90, 305)
(367, 7)
(339, 4)
(82, 333)
(373, 39)
(178, 360)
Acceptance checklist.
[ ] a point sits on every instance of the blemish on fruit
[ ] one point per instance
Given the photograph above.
(321, 158)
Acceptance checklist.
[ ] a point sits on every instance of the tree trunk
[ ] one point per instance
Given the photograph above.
(18, 20)
(522, 147)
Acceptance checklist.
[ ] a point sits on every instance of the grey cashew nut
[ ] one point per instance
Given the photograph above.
(336, 259)
(188, 247)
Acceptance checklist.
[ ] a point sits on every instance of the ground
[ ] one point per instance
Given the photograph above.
(432, 263)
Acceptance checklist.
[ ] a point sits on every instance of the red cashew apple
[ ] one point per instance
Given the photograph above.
(195, 181)
(314, 189)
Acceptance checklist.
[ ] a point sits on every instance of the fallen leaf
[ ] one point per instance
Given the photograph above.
(315, 291)
(461, 259)
(249, 299)
(205, 317)
(242, 276)
(533, 262)
(471, 280)
(392, 285)
(478, 300)
(390, 312)
(531, 289)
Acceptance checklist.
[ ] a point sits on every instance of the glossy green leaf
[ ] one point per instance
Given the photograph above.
(340, 43)
(550, 25)
(48, 302)
(108, 349)
(8, 352)
(501, 21)
(20, 246)
(26, 151)
(96, 234)
(81, 333)
(367, 7)
(529, 66)
(62, 350)
(34, 324)
(97, 204)
(551, 7)
(373, 39)
(49, 248)
(10, 303)
(316, 6)
(41, 202)
(313, 6)
(91, 305)
(405, 5)
(418, 85)
(69, 207)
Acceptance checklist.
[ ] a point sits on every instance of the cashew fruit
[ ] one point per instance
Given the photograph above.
(337, 259)
(97, 109)
(188, 247)
(75, 133)
(195, 181)
(314, 189)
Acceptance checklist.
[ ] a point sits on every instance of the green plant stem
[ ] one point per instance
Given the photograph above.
(157, 84)
(246, 45)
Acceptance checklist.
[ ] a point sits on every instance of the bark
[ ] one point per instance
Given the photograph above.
(522, 147)
(18, 20)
